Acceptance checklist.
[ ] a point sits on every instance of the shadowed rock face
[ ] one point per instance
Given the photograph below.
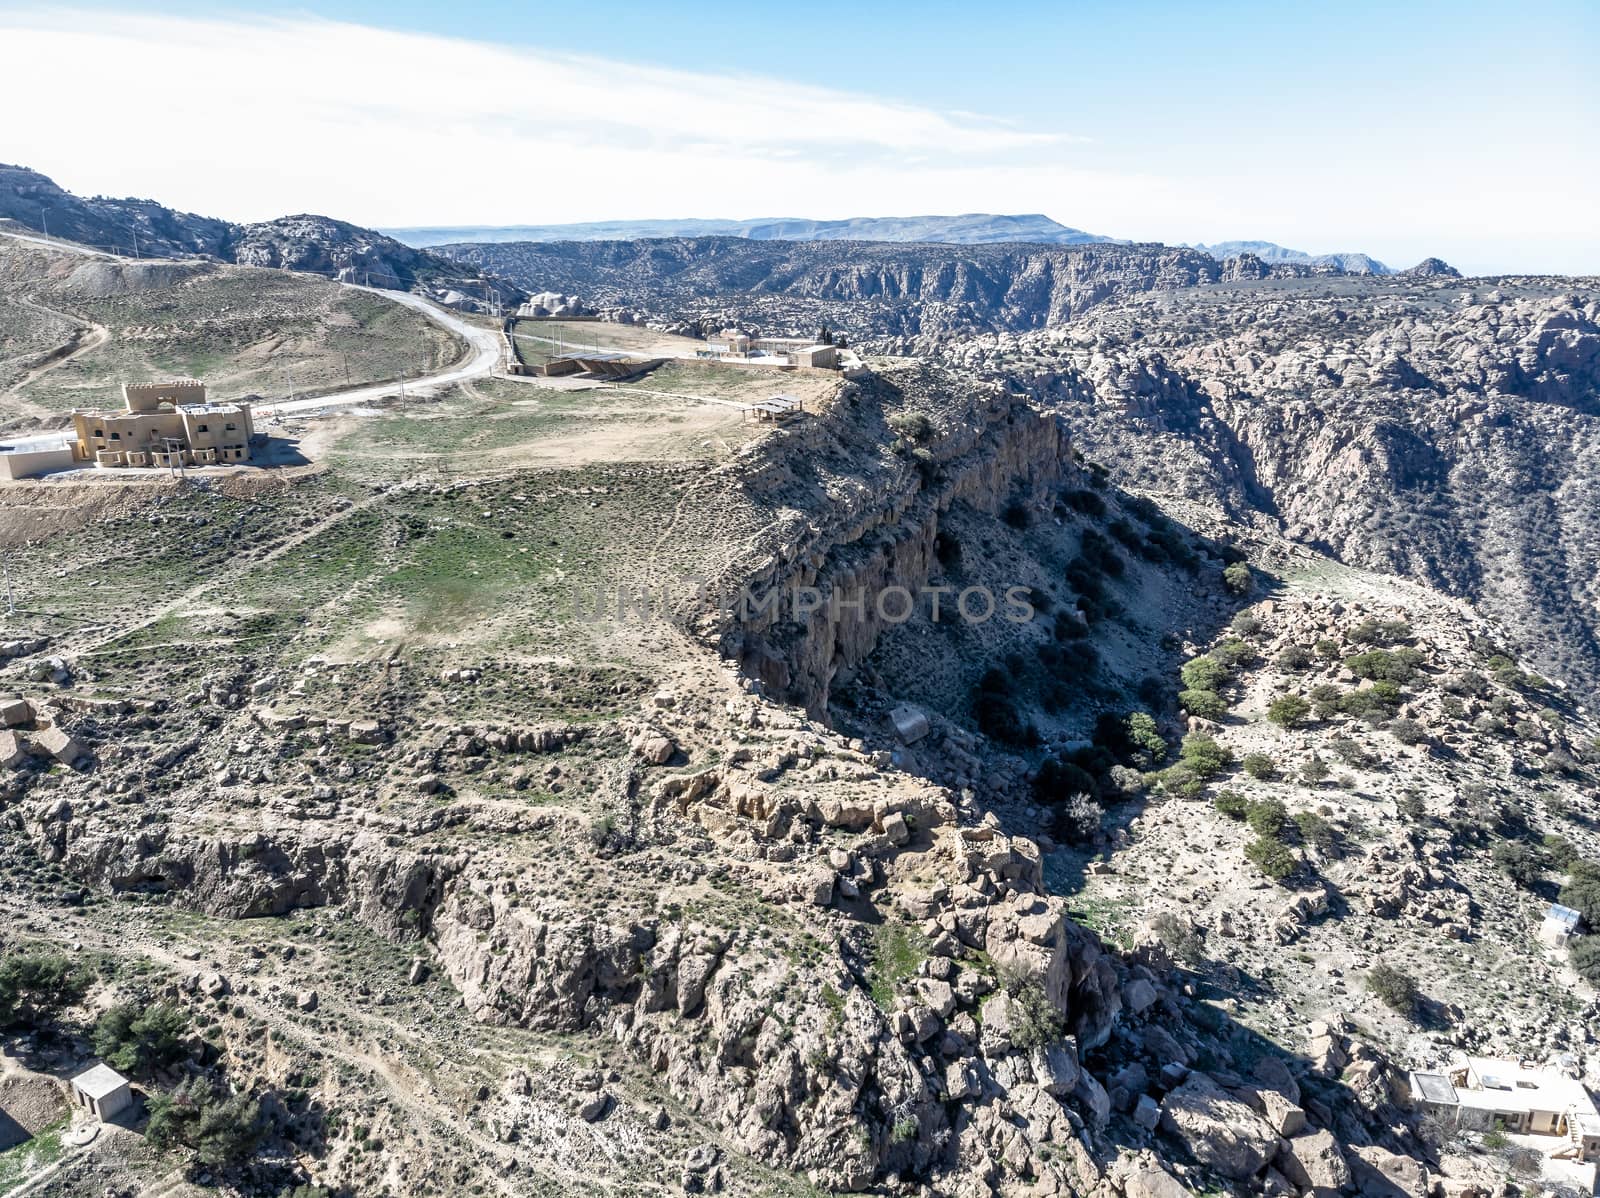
(1444, 430)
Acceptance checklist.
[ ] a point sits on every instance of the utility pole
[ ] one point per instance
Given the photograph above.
(44, 215)
(135, 232)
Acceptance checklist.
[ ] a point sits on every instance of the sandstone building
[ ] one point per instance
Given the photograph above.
(164, 424)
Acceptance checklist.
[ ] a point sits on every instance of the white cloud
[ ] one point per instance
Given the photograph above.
(249, 119)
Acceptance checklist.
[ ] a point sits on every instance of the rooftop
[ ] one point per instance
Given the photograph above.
(1563, 915)
(1433, 1087)
(1512, 1086)
(99, 1081)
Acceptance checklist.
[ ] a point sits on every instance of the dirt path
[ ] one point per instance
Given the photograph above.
(89, 336)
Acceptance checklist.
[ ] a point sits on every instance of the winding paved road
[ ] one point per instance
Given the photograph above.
(482, 358)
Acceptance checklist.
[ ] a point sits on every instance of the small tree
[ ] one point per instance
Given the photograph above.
(1393, 987)
(1259, 766)
(1272, 857)
(35, 987)
(220, 1130)
(1582, 892)
(139, 1041)
(1315, 770)
(1238, 579)
(1207, 705)
(1144, 736)
(1266, 816)
(1204, 755)
(1585, 955)
(1288, 711)
(1316, 833)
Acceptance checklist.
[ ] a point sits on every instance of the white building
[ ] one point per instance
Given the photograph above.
(1559, 926)
(1487, 1094)
(102, 1090)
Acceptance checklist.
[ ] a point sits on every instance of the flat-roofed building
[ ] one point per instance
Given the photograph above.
(164, 424)
(1487, 1094)
(1560, 925)
(24, 457)
(102, 1090)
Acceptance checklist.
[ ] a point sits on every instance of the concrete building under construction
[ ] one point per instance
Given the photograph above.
(164, 425)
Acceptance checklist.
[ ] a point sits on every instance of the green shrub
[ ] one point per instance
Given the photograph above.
(913, 426)
(1238, 578)
(1145, 736)
(1182, 781)
(1296, 658)
(1204, 674)
(1393, 987)
(1316, 832)
(1272, 857)
(138, 1040)
(1327, 649)
(1178, 937)
(1233, 653)
(220, 1130)
(1207, 705)
(1399, 665)
(1582, 892)
(1288, 711)
(1523, 865)
(1266, 816)
(1407, 731)
(1585, 956)
(1412, 807)
(1315, 770)
(1259, 766)
(1204, 755)
(35, 987)
(1035, 1020)
(1231, 804)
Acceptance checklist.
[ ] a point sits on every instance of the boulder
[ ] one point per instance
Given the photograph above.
(13, 751)
(1152, 1181)
(910, 724)
(1218, 1130)
(1147, 1112)
(59, 744)
(1055, 1068)
(1284, 1117)
(1138, 994)
(15, 712)
(1313, 1161)
(1384, 1174)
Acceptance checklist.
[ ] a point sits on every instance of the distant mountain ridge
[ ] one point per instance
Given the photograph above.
(1267, 251)
(973, 228)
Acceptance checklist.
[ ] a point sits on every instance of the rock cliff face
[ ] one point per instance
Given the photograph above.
(880, 290)
(812, 609)
(1443, 430)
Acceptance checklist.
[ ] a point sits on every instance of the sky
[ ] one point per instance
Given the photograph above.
(1463, 130)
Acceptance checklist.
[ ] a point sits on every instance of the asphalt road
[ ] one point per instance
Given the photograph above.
(482, 357)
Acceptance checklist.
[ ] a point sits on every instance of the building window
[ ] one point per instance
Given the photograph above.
(229, 427)
(116, 436)
(201, 428)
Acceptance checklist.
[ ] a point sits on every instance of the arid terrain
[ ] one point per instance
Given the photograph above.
(522, 785)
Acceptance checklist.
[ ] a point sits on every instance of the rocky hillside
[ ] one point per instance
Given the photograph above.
(1444, 430)
(971, 229)
(870, 290)
(145, 228)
